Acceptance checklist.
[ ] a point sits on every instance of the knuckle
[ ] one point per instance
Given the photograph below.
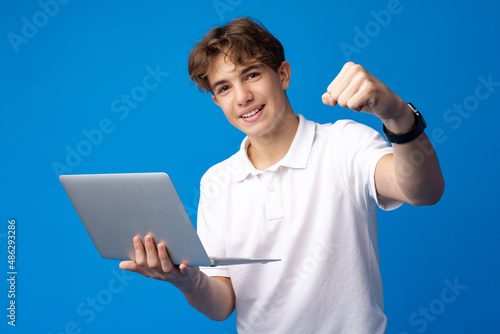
(334, 94)
(342, 100)
(370, 88)
(353, 106)
(330, 88)
(357, 69)
(349, 64)
(359, 77)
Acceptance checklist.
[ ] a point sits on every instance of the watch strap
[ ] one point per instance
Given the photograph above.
(416, 131)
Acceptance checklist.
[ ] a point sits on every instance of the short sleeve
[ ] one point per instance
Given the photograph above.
(210, 230)
(359, 150)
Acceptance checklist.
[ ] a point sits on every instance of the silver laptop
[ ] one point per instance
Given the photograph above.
(116, 207)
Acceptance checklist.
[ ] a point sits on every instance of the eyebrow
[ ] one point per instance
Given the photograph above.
(244, 71)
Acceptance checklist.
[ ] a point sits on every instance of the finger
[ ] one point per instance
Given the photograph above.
(365, 95)
(153, 259)
(340, 75)
(166, 264)
(183, 267)
(132, 266)
(341, 81)
(328, 100)
(140, 264)
(349, 91)
(189, 271)
(127, 265)
(140, 255)
(359, 101)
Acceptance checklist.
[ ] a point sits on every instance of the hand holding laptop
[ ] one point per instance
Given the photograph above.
(118, 207)
(152, 260)
(202, 292)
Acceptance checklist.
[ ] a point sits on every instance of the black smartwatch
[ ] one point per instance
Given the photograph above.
(417, 130)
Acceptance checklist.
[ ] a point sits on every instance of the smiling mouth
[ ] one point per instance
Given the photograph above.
(253, 112)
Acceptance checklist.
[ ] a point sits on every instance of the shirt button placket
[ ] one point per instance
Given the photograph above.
(275, 207)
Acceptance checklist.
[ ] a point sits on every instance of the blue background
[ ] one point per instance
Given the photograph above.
(65, 76)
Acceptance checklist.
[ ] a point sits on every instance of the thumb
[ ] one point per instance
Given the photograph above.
(328, 99)
(184, 268)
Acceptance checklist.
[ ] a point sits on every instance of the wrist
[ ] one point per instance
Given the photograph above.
(402, 123)
(414, 132)
(192, 285)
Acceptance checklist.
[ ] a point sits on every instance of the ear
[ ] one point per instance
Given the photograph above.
(284, 72)
(215, 100)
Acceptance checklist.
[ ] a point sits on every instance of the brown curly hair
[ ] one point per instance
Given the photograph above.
(243, 40)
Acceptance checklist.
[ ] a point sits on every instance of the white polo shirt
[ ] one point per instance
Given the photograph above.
(316, 210)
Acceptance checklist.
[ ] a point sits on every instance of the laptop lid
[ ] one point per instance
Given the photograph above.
(116, 207)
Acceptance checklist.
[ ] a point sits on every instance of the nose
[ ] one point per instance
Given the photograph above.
(243, 95)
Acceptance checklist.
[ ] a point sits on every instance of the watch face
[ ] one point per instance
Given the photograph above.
(412, 107)
(422, 120)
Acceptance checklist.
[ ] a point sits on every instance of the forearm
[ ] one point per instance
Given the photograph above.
(416, 166)
(412, 174)
(212, 297)
(417, 171)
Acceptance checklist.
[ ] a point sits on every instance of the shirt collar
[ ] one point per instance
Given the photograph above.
(296, 157)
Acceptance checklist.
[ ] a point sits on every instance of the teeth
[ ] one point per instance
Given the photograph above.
(251, 113)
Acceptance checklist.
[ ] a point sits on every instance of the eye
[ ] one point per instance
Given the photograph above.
(253, 75)
(222, 89)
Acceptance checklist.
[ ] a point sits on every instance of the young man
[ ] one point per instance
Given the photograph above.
(299, 191)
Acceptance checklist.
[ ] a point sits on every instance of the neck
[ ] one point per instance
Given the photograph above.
(267, 150)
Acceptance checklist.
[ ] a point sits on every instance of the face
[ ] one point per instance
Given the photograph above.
(251, 96)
